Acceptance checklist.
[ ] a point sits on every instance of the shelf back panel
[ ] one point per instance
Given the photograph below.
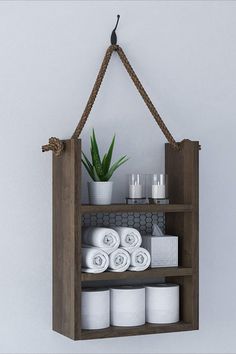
(140, 221)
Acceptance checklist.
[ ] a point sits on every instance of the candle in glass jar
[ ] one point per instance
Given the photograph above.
(158, 187)
(135, 187)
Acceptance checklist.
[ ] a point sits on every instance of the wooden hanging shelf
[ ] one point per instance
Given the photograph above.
(181, 218)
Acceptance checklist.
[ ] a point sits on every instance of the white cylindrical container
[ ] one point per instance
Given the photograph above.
(135, 191)
(127, 306)
(158, 191)
(95, 308)
(159, 186)
(100, 193)
(136, 186)
(162, 303)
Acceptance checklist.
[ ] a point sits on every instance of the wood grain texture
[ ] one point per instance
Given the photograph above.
(146, 274)
(182, 168)
(148, 208)
(66, 240)
(114, 331)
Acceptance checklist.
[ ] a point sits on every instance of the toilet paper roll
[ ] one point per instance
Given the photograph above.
(95, 308)
(128, 306)
(162, 303)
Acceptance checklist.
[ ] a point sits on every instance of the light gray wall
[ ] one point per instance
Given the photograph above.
(50, 51)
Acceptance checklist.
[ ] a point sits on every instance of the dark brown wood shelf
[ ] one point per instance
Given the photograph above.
(147, 328)
(146, 274)
(147, 208)
(181, 219)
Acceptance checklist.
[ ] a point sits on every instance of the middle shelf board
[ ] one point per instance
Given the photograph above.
(145, 208)
(146, 274)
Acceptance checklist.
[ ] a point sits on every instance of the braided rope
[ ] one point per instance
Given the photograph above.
(146, 98)
(95, 90)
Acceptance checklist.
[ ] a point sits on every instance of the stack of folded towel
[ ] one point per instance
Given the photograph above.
(115, 250)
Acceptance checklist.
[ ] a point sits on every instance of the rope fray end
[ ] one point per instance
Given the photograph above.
(55, 145)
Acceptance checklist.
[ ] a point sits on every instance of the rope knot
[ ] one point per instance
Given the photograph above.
(115, 47)
(54, 144)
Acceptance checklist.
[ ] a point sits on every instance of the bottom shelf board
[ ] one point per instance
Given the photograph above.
(147, 328)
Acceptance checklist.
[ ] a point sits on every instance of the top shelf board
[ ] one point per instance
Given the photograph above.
(128, 208)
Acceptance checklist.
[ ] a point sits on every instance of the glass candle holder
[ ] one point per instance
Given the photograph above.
(159, 186)
(136, 186)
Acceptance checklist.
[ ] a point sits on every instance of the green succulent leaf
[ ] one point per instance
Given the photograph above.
(108, 158)
(95, 146)
(87, 161)
(114, 167)
(104, 161)
(96, 177)
(96, 156)
(89, 170)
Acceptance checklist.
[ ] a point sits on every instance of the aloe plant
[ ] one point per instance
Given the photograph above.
(101, 170)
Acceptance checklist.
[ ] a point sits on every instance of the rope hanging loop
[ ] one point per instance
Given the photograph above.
(56, 145)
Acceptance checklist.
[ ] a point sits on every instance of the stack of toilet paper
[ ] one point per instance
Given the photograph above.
(129, 306)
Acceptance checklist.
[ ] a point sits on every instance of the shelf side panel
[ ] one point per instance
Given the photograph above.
(66, 242)
(182, 168)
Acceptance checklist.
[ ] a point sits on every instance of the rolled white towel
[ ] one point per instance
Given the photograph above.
(105, 238)
(94, 260)
(130, 238)
(140, 260)
(119, 260)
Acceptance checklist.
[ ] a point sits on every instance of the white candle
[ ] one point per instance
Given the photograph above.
(158, 191)
(135, 191)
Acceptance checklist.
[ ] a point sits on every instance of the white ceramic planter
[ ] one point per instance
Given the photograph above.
(100, 193)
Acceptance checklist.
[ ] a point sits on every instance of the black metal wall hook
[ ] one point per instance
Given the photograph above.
(113, 33)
